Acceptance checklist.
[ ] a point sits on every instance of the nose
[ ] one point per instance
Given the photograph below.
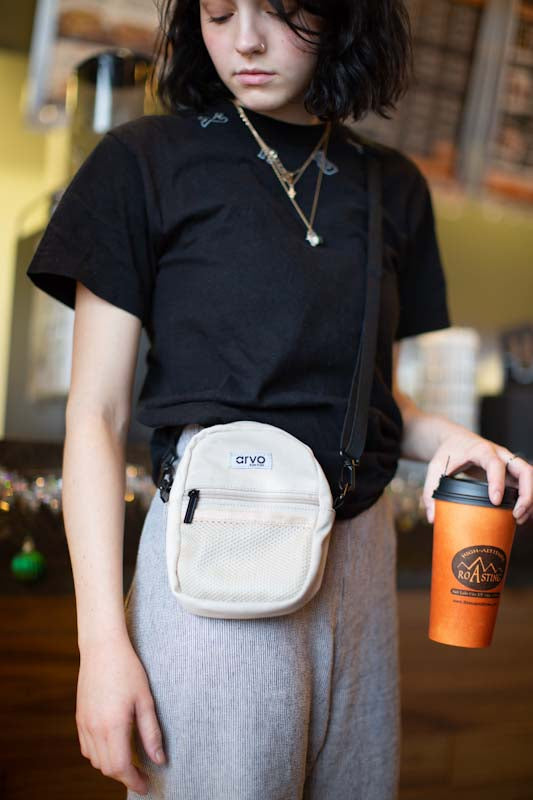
(258, 47)
(249, 38)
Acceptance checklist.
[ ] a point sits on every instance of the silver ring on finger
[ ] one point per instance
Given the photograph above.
(511, 459)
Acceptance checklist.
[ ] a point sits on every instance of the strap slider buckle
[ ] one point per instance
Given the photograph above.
(347, 479)
(165, 484)
(348, 471)
(166, 476)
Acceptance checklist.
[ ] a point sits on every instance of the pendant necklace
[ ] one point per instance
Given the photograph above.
(288, 178)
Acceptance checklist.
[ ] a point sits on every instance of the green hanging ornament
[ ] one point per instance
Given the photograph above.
(28, 564)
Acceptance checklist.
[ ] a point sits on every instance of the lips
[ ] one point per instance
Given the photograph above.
(254, 71)
(254, 78)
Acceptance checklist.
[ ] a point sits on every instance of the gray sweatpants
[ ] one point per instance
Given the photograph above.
(299, 707)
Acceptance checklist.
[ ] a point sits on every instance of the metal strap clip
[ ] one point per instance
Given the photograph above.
(347, 478)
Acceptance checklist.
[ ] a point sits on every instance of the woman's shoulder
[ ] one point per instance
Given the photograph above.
(149, 133)
(401, 174)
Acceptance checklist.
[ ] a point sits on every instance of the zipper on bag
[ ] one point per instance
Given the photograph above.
(231, 494)
(193, 500)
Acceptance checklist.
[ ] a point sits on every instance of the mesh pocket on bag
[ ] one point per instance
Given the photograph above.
(236, 560)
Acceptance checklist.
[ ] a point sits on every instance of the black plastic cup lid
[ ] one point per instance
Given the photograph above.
(475, 493)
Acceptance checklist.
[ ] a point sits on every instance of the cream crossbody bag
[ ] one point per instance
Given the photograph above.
(249, 509)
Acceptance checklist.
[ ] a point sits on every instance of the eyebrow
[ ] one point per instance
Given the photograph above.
(204, 3)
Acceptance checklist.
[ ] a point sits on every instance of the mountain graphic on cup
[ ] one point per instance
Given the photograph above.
(481, 566)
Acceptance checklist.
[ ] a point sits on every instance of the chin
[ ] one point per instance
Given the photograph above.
(261, 100)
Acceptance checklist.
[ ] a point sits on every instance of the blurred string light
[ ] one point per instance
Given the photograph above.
(405, 491)
(45, 490)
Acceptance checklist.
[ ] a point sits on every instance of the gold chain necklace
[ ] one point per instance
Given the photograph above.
(288, 178)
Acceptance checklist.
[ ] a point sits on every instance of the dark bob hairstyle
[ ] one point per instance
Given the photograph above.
(364, 57)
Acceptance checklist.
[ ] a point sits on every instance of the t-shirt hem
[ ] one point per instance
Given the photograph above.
(351, 508)
(420, 329)
(211, 413)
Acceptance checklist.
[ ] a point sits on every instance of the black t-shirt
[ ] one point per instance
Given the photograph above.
(180, 220)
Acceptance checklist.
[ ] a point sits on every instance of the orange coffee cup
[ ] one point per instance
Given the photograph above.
(472, 541)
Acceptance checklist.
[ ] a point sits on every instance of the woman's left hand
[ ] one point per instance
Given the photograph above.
(481, 459)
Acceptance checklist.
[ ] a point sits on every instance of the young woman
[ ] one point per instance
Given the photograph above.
(233, 228)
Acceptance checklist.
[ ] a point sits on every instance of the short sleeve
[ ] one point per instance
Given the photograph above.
(422, 282)
(99, 234)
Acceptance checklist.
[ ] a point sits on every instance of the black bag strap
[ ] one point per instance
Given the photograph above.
(354, 430)
(356, 418)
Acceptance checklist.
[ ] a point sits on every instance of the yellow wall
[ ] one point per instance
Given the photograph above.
(32, 163)
(487, 250)
(487, 247)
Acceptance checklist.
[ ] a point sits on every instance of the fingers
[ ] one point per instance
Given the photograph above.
(120, 764)
(83, 742)
(523, 471)
(494, 466)
(148, 728)
(434, 471)
(519, 469)
(436, 467)
(108, 748)
(484, 453)
(468, 456)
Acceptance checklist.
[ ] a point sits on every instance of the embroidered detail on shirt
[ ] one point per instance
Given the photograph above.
(250, 460)
(329, 167)
(218, 116)
(358, 147)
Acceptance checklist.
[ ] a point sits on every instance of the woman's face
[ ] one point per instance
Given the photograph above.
(234, 43)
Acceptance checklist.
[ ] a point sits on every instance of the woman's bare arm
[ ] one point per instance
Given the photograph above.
(423, 433)
(113, 689)
(105, 346)
(449, 448)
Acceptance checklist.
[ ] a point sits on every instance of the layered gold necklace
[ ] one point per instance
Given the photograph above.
(289, 178)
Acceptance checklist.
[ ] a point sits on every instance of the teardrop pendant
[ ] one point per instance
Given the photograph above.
(313, 238)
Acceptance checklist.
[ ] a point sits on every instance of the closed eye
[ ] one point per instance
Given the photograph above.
(220, 20)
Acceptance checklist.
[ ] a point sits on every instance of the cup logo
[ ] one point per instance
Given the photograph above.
(481, 567)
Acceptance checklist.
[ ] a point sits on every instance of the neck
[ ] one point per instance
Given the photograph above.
(294, 113)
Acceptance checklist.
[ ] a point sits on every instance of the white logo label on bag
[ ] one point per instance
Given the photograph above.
(250, 460)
